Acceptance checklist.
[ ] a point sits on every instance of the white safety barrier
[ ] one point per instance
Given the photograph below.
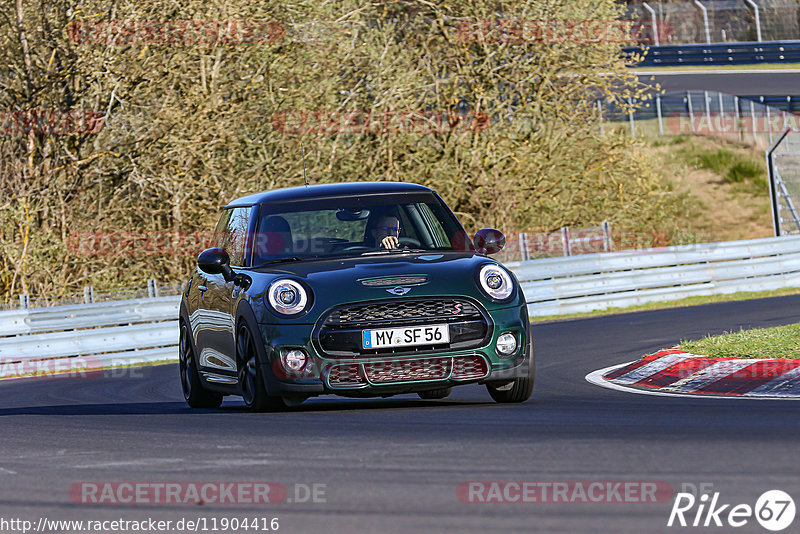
(590, 282)
(88, 336)
(40, 340)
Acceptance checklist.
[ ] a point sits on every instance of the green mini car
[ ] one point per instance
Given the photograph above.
(359, 290)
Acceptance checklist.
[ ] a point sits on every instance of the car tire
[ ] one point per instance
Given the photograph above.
(250, 374)
(193, 391)
(519, 389)
(433, 394)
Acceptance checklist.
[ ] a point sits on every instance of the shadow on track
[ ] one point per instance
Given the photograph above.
(180, 408)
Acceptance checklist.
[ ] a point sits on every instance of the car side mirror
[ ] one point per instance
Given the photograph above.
(489, 241)
(216, 261)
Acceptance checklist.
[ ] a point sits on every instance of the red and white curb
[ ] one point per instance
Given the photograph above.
(674, 372)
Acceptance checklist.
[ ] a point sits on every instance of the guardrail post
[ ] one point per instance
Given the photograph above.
(523, 246)
(658, 112)
(705, 20)
(152, 288)
(608, 246)
(758, 18)
(655, 23)
(88, 294)
(24, 302)
(689, 109)
(565, 240)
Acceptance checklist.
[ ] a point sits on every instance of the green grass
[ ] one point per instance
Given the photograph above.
(775, 342)
(682, 303)
(733, 165)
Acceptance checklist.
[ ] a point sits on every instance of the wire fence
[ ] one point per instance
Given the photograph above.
(783, 163)
(717, 21)
(756, 120)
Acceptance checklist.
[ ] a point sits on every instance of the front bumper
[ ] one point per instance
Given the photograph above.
(382, 375)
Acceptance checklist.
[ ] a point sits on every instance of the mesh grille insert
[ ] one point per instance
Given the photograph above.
(404, 310)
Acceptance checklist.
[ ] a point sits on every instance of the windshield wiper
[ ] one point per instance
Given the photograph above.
(281, 260)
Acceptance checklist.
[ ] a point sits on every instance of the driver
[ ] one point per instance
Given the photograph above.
(386, 231)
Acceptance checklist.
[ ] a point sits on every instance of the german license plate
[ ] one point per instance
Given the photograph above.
(405, 336)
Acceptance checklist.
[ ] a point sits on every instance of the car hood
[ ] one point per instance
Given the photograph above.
(340, 280)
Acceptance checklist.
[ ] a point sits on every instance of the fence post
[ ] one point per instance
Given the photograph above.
(722, 121)
(737, 115)
(758, 18)
(523, 246)
(773, 193)
(600, 113)
(152, 288)
(24, 302)
(689, 109)
(608, 246)
(630, 116)
(565, 240)
(705, 20)
(753, 120)
(88, 294)
(658, 112)
(708, 110)
(769, 119)
(655, 22)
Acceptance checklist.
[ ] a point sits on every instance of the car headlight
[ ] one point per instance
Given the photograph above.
(287, 296)
(495, 282)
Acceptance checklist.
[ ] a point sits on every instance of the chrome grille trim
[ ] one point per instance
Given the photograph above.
(394, 281)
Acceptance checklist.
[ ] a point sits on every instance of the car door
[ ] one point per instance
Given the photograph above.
(218, 353)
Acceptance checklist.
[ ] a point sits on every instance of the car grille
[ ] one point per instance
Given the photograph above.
(405, 310)
(468, 367)
(339, 332)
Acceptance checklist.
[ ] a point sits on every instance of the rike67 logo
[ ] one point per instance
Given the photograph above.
(774, 510)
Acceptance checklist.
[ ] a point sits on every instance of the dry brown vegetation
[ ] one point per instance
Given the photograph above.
(188, 127)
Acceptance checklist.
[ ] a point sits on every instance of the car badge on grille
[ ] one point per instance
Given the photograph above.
(399, 291)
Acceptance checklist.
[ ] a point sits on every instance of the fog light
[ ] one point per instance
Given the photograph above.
(294, 360)
(506, 344)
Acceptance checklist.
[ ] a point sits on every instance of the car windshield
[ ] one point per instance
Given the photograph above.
(369, 224)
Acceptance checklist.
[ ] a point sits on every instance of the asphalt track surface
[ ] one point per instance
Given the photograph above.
(393, 465)
(744, 83)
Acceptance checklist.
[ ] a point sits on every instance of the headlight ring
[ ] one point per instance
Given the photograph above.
(496, 282)
(287, 296)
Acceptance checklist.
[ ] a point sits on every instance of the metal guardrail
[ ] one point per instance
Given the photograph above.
(145, 330)
(742, 53)
(82, 337)
(591, 282)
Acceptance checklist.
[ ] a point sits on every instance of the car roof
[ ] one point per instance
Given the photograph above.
(321, 191)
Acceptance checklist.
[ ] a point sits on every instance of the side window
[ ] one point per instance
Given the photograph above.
(231, 233)
(440, 237)
(220, 229)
